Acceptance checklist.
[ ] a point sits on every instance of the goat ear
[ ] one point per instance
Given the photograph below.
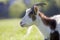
(35, 9)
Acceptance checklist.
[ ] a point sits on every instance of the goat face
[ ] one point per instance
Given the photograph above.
(29, 17)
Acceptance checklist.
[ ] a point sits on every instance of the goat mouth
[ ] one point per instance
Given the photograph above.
(22, 25)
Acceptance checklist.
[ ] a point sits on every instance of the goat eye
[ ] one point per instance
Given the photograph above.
(31, 13)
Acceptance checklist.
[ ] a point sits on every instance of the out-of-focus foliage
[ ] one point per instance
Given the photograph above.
(4, 8)
(17, 9)
(58, 3)
(5, 1)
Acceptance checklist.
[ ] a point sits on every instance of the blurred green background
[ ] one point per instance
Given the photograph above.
(16, 8)
(11, 12)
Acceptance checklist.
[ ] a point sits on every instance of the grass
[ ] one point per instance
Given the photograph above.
(11, 30)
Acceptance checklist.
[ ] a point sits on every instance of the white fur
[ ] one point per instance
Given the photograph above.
(28, 32)
(26, 21)
(57, 18)
(45, 30)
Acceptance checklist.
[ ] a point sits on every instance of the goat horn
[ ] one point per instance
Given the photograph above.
(39, 4)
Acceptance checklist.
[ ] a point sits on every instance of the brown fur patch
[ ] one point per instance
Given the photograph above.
(33, 12)
(47, 21)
